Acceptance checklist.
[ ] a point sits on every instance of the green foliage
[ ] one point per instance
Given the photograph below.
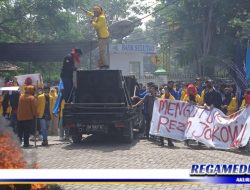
(55, 20)
(202, 33)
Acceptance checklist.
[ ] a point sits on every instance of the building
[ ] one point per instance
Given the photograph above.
(134, 59)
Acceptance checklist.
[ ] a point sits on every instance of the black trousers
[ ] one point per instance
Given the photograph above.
(23, 129)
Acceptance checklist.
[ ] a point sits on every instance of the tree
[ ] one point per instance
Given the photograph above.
(55, 20)
(202, 33)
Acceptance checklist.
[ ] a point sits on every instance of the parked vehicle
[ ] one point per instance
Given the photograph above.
(102, 104)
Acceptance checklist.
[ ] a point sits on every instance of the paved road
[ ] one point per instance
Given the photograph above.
(109, 153)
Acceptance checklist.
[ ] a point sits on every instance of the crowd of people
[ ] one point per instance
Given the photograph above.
(30, 110)
(209, 94)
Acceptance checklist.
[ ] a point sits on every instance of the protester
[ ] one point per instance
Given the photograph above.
(212, 98)
(184, 91)
(193, 98)
(229, 104)
(246, 100)
(44, 113)
(170, 86)
(192, 95)
(6, 105)
(6, 100)
(178, 89)
(148, 101)
(99, 23)
(14, 98)
(140, 91)
(26, 112)
(67, 73)
(168, 96)
(199, 85)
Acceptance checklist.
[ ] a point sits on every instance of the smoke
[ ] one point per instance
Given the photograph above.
(6, 129)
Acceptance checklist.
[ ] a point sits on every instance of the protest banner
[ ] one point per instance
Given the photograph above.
(35, 78)
(181, 120)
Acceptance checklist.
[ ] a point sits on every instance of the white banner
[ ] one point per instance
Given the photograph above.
(180, 120)
(36, 78)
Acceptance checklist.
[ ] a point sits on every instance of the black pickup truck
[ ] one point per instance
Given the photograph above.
(102, 104)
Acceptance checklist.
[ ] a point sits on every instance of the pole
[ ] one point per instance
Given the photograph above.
(35, 116)
(90, 56)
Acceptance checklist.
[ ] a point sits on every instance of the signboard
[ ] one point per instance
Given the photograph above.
(132, 48)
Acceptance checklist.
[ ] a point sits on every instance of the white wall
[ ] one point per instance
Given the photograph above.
(121, 61)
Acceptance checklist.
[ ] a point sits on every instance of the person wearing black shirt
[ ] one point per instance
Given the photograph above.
(14, 98)
(212, 98)
(67, 73)
(148, 101)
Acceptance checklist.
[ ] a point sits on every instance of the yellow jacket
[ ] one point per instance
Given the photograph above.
(198, 99)
(243, 104)
(170, 97)
(54, 95)
(27, 105)
(232, 106)
(202, 96)
(61, 109)
(183, 94)
(100, 25)
(41, 105)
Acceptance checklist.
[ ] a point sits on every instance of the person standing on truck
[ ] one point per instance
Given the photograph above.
(67, 73)
(148, 101)
(99, 23)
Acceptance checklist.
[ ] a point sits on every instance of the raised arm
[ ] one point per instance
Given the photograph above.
(88, 13)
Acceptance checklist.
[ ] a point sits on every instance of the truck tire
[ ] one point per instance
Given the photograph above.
(128, 133)
(142, 125)
(76, 136)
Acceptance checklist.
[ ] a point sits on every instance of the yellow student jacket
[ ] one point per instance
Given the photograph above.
(100, 25)
(41, 105)
(170, 97)
(232, 106)
(198, 99)
(243, 104)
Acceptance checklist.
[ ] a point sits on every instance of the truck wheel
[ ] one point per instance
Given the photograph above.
(128, 133)
(76, 136)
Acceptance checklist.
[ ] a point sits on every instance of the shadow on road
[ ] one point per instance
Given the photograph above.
(104, 143)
